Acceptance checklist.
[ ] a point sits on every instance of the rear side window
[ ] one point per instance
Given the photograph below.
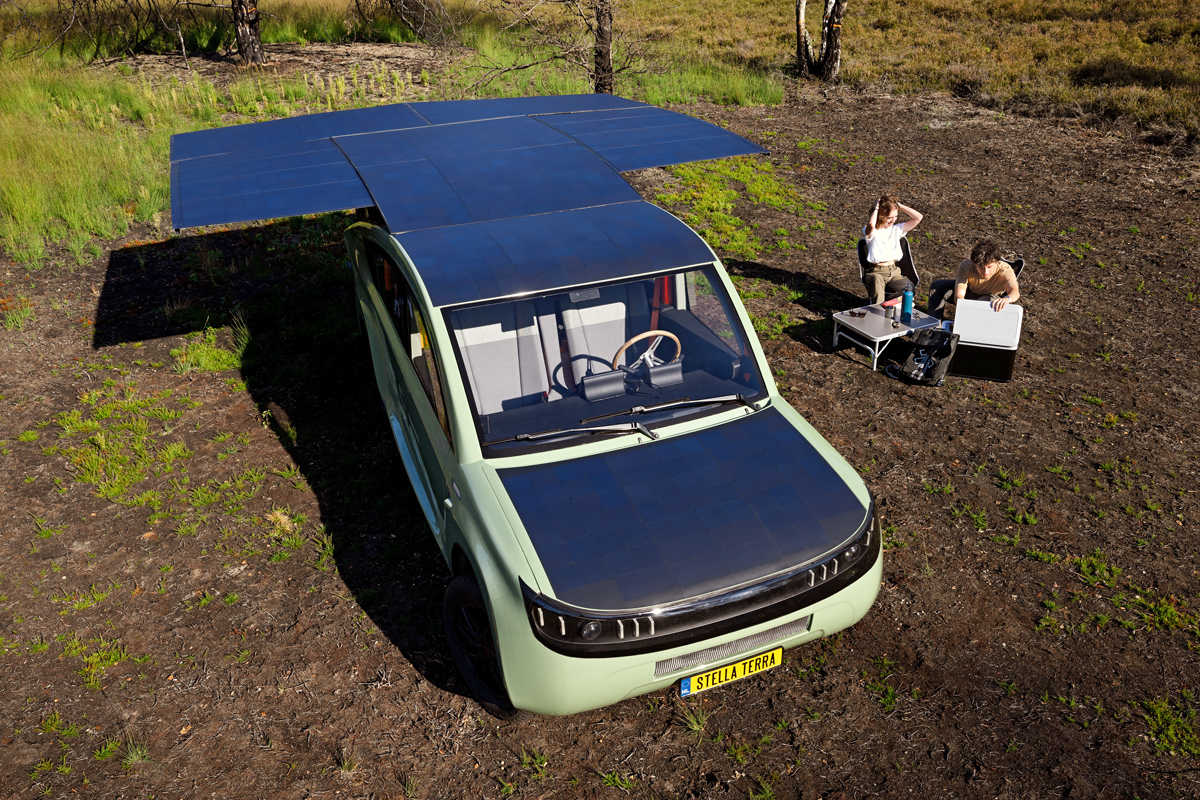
(412, 328)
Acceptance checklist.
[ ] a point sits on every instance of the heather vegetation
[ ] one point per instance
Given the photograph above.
(84, 150)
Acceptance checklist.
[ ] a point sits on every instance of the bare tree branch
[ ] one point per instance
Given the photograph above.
(588, 36)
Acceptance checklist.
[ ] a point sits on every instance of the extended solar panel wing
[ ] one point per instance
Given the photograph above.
(433, 164)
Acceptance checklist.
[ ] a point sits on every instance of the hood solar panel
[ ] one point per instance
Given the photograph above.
(681, 517)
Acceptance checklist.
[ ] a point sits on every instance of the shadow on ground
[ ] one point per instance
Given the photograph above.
(813, 294)
(306, 367)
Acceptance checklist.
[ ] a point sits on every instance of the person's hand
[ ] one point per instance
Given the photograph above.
(999, 303)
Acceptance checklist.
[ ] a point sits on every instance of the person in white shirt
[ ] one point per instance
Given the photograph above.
(883, 234)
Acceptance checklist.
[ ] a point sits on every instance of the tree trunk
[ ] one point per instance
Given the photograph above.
(803, 43)
(602, 80)
(831, 42)
(245, 26)
(827, 62)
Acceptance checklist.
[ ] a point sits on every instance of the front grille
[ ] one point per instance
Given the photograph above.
(723, 651)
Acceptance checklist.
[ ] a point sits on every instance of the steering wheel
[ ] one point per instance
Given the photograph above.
(648, 357)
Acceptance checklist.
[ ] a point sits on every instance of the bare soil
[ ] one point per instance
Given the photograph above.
(1005, 657)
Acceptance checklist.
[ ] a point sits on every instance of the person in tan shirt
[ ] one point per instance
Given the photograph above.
(983, 276)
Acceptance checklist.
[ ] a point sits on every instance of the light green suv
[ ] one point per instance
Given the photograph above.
(624, 500)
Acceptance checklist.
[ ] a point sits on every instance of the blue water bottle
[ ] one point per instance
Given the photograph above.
(906, 305)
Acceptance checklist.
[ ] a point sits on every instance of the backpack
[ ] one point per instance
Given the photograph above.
(929, 358)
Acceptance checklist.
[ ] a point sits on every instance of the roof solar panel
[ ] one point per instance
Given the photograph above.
(249, 163)
(299, 178)
(378, 149)
(490, 170)
(578, 176)
(445, 112)
(627, 159)
(650, 239)
(538, 253)
(360, 120)
(680, 517)
(529, 188)
(484, 137)
(271, 204)
(461, 264)
(414, 195)
(291, 130)
(650, 137)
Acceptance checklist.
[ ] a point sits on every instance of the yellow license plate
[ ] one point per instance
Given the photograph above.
(731, 672)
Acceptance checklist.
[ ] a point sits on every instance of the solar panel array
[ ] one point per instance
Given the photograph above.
(683, 516)
(531, 254)
(465, 164)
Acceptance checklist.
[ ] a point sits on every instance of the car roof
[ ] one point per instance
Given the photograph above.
(489, 198)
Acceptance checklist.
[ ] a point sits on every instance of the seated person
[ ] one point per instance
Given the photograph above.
(983, 276)
(883, 245)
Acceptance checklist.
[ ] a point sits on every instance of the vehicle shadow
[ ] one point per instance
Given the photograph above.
(807, 292)
(284, 294)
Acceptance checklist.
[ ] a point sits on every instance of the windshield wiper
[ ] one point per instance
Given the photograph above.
(630, 427)
(723, 400)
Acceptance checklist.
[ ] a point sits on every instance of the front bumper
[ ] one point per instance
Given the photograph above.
(584, 633)
(544, 681)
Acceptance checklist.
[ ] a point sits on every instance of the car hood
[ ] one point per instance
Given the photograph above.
(685, 516)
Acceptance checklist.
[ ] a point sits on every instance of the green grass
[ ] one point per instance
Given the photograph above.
(704, 195)
(17, 311)
(617, 780)
(1170, 724)
(135, 753)
(107, 750)
(85, 151)
(693, 718)
(98, 163)
(877, 682)
(201, 353)
(1095, 569)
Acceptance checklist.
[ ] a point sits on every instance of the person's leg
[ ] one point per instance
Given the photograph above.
(937, 296)
(896, 284)
(876, 283)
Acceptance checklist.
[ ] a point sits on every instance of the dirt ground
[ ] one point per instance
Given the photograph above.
(218, 584)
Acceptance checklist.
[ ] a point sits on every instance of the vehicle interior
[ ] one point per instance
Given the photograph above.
(541, 368)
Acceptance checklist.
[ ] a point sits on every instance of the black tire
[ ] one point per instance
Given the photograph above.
(473, 645)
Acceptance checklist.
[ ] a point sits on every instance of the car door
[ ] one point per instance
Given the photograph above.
(415, 398)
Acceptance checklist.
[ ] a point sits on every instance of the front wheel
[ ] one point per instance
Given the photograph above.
(473, 645)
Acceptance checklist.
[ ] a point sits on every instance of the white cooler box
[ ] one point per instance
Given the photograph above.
(987, 340)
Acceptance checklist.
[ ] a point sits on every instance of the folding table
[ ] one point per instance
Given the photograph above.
(874, 331)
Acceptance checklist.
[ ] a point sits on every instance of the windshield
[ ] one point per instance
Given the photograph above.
(602, 356)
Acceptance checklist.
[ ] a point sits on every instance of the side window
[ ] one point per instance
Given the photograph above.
(392, 288)
(705, 304)
(425, 363)
(411, 328)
